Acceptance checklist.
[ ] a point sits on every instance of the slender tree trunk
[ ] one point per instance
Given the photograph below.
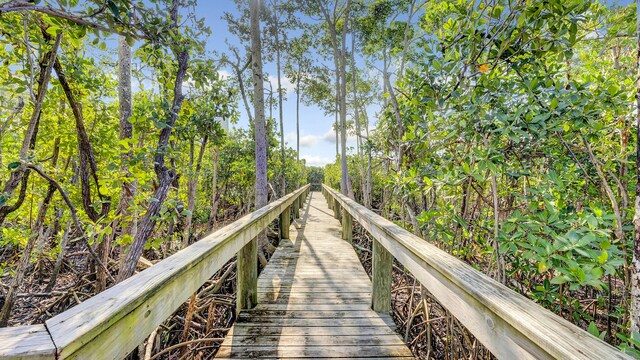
(126, 133)
(354, 76)
(261, 143)
(283, 190)
(405, 39)
(336, 123)
(192, 186)
(635, 262)
(214, 190)
(367, 196)
(298, 115)
(87, 163)
(243, 92)
(344, 183)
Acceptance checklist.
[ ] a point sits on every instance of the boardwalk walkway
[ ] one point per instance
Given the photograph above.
(314, 300)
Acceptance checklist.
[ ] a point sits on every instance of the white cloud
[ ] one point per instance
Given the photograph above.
(305, 140)
(330, 137)
(312, 160)
(284, 82)
(224, 74)
(308, 141)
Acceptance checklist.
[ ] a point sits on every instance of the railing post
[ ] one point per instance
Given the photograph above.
(296, 208)
(381, 278)
(336, 208)
(347, 226)
(285, 223)
(247, 278)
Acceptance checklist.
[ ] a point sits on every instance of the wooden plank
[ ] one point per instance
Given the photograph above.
(347, 227)
(319, 300)
(298, 352)
(306, 314)
(311, 307)
(314, 340)
(315, 289)
(139, 304)
(255, 329)
(507, 323)
(26, 342)
(282, 321)
(382, 269)
(296, 209)
(247, 276)
(285, 223)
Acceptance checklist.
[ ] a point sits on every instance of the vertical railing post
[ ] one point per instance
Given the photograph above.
(247, 278)
(285, 223)
(381, 279)
(347, 226)
(296, 208)
(336, 208)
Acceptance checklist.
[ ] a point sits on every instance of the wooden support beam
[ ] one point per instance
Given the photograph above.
(296, 208)
(381, 279)
(347, 226)
(247, 278)
(285, 223)
(336, 209)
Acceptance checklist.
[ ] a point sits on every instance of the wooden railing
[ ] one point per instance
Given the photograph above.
(507, 323)
(112, 323)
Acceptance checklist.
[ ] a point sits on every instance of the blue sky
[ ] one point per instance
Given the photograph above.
(317, 140)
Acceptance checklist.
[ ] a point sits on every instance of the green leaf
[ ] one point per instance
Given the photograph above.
(114, 8)
(14, 165)
(602, 258)
(560, 279)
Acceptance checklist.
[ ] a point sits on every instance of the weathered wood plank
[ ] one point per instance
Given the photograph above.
(285, 223)
(311, 307)
(382, 268)
(26, 343)
(253, 352)
(508, 324)
(306, 314)
(347, 227)
(255, 329)
(314, 340)
(247, 276)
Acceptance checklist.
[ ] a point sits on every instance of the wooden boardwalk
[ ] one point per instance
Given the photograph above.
(314, 300)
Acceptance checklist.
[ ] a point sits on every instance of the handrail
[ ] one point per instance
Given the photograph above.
(507, 323)
(112, 323)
